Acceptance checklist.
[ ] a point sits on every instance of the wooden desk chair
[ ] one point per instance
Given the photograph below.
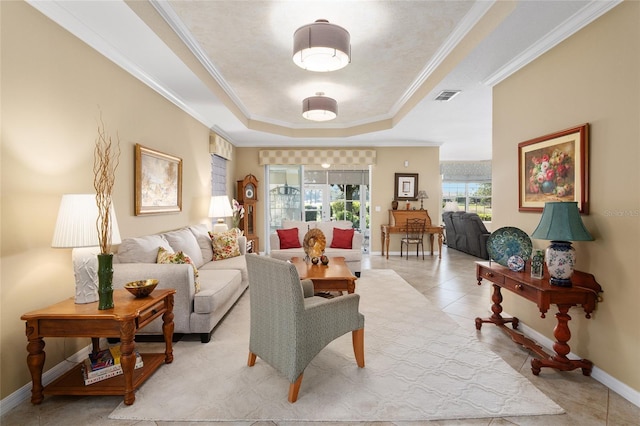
(414, 235)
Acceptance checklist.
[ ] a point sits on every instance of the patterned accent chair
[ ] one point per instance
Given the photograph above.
(289, 325)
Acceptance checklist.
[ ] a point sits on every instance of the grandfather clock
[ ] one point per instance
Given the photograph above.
(248, 197)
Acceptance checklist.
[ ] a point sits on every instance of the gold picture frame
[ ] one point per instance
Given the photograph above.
(158, 182)
(554, 167)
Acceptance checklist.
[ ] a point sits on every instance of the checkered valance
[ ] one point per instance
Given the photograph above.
(335, 157)
(220, 146)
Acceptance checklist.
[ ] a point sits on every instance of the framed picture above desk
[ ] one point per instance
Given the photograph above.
(406, 187)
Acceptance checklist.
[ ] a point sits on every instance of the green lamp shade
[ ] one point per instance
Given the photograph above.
(561, 221)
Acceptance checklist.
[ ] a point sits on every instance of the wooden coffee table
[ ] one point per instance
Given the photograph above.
(336, 276)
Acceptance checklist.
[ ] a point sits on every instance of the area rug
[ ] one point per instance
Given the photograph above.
(420, 365)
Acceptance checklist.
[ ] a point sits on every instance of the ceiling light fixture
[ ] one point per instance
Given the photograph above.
(321, 47)
(319, 108)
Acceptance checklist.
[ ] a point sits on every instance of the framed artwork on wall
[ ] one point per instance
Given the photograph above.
(158, 182)
(554, 168)
(406, 187)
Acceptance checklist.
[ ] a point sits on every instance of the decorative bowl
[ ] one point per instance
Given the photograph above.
(141, 288)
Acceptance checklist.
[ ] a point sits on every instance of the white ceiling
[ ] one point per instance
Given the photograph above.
(228, 63)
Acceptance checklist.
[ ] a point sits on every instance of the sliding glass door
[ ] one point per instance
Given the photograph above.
(284, 188)
(318, 195)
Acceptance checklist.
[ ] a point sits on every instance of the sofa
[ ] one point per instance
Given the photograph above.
(352, 255)
(466, 232)
(206, 289)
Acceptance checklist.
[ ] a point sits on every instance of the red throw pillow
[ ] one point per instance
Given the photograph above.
(288, 238)
(342, 238)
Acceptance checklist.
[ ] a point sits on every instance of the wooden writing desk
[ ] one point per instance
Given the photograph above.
(585, 292)
(397, 222)
(68, 319)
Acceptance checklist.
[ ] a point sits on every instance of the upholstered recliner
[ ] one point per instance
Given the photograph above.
(289, 325)
(466, 232)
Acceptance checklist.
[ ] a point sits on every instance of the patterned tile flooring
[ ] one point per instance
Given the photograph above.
(450, 283)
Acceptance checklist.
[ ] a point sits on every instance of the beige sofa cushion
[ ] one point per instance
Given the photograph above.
(201, 232)
(183, 240)
(141, 249)
(217, 287)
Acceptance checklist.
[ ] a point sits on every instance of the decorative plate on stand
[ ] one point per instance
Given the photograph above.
(314, 243)
(506, 242)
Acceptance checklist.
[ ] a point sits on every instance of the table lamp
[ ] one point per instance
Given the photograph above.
(220, 207)
(561, 223)
(76, 227)
(421, 196)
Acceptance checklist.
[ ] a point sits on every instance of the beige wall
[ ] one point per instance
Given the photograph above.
(592, 77)
(52, 85)
(390, 160)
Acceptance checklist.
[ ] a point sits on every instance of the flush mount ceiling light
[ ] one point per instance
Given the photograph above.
(321, 47)
(319, 108)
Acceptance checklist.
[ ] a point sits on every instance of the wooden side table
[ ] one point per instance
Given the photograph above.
(585, 292)
(68, 319)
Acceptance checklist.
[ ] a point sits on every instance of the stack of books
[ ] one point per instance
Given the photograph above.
(104, 365)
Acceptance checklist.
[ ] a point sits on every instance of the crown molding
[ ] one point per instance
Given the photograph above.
(566, 29)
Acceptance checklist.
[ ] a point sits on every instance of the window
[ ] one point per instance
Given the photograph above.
(323, 195)
(472, 197)
(218, 175)
(468, 184)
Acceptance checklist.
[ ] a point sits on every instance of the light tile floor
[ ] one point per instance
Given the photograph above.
(450, 283)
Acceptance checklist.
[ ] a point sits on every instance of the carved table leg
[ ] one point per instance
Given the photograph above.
(35, 362)
(167, 330)
(127, 359)
(560, 361)
(496, 308)
(386, 242)
(440, 245)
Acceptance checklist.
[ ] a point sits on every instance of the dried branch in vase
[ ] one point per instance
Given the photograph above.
(105, 163)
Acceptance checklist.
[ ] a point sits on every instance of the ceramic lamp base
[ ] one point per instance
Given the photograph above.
(220, 227)
(560, 258)
(85, 270)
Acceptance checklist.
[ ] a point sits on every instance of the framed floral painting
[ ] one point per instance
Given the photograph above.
(158, 182)
(554, 168)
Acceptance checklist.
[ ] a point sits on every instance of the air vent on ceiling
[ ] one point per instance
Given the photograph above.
(447, 95)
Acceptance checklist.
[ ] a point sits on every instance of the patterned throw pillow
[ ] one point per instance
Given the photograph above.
(165, 256)
(225, 244)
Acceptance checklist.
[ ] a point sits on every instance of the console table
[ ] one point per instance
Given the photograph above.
(397, 225)
(585, 292)
(68, 319)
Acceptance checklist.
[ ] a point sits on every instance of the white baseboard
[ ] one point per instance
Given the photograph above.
(625, 391)
(24, 393)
